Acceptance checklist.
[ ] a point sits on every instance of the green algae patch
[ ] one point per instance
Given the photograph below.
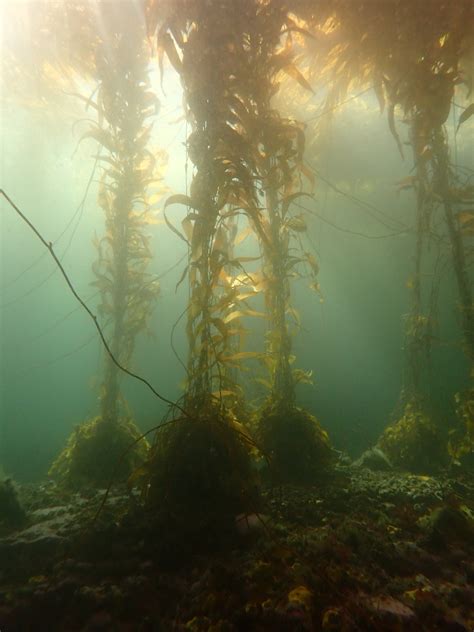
(461, 441)
(296, 444)
(414, 442)
(98, 451)
(200, 471)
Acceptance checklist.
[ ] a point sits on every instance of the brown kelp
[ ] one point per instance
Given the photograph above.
(411, 55)
(124, 104)
(218, 457)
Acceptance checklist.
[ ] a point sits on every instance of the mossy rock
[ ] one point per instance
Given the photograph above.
(414, 443)
(12, 513)
(448, 524)
(96, 451)
(461, 441)
(297, 446)
(200, 472)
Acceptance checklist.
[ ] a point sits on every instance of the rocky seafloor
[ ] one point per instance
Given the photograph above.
(362, 550)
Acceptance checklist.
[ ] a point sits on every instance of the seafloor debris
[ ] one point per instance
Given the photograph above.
(365, 551)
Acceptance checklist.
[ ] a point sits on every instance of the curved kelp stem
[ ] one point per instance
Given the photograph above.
(122, 368)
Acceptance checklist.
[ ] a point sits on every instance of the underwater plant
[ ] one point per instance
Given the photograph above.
(461, 440)
(278, 148)
(124, 104)
(414, 442)
(242, 151)
(217, 447)
(12, 514)
(205, 227)
(413, 56)
(98, 449)
(248, 165)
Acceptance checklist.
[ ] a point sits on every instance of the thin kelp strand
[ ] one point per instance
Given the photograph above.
(29, 292)
(49, 246)
(375, 212)
(347, 230)
(33, 264)
(57, 359)
(327, 111)
(62, 319)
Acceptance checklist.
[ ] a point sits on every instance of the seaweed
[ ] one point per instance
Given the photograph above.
(414, 442)
(98, 451)
(12, 514)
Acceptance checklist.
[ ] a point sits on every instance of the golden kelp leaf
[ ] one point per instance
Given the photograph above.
(152, 220)
(466, 222)
(224, 393)
(182, 277)
(245, 295)
(154, 198)
(243, 235)
(380, 94)
(393, 129)
(406, 183)
(175, 230)
(138, 474)
(465, 217)
(293, 72)
(188, 228)
(468, 112)
(179, 198)
(311, 259)
(87, 100)
(101, 136)
(221, 326)
(241, 355)
(297, 223)
(316, 287)
(297, 29)
(166, 43)
(239, 313)
(463, 195)
(233, 315)
(308, 173)
(286, 202)
(302, 377)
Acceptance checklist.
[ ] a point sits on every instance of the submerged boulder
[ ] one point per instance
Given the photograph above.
(374, 459)
(12, 514)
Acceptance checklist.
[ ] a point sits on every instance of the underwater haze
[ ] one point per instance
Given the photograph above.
(351, 335)
(236, 315)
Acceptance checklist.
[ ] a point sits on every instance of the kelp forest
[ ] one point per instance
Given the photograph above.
(269, 215)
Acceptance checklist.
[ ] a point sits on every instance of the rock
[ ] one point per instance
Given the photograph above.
(99, 621)
(387, 607)
(374, 459)
(448, 524)
(38, 544)
(12, 513)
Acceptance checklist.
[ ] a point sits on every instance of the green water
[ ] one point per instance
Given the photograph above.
(51, 356)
